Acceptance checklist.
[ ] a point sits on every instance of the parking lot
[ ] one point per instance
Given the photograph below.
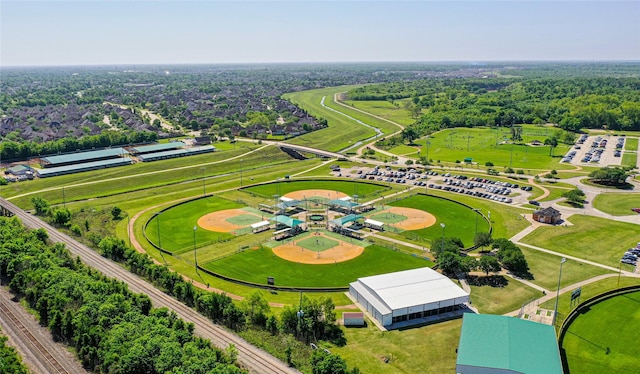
(630, 257)
(498, 191)
(596, 150)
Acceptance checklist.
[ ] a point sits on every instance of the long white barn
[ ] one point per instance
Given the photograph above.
(407, 295)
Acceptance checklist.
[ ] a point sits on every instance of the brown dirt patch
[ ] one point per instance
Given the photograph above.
(217, 221)
(342, 252)
(327, 194)
(416, 219)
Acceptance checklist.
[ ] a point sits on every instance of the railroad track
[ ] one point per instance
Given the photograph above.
(45, 356)
(249, 356)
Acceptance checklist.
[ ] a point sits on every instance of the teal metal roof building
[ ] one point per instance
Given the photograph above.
(505, 345)
(80, 157)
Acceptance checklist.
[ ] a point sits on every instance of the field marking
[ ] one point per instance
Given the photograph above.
(344, 251)
(217, 221)
(416, 219)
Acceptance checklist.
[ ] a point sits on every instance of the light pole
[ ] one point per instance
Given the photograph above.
(477, 214)
(195, 252)
(158, 224)
(300, 314)
(443, 226)
(555, 312)
(241, 172)
(204, 187)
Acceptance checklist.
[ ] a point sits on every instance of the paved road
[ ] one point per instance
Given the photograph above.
(254, 359)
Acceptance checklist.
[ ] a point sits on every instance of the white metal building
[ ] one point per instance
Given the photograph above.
(407, 295)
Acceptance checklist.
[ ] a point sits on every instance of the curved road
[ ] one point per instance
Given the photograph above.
(254, 359)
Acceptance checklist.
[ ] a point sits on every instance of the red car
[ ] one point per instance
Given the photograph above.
(637, 210)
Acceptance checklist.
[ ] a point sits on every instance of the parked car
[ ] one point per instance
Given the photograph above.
(533, 202)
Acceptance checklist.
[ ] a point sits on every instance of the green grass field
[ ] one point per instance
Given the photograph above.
(602, 340)
(631, 144)
(460, 221)
(629, 159)
(617, 204)
(256, 265)
(388, 217)
(592, 238)
(545, 268)
(364, 190)
(385, 109)
(500, 300)
(481, 145)
(341, 131)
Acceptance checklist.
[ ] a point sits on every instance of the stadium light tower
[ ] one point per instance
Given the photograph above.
(443, 226)
(555, 311)
(195, 252)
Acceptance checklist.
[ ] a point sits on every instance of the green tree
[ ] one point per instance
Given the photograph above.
(575, 196)
(325, 363)
(610, 175)
(552, 142)
(409, 134)
(449, 262)
(40, 205)
(482, 239)
(489, 264)
(116, 212)
(62, 216)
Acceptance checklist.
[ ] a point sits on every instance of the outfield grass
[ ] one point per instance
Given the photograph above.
(617, 204)
(500, 300)
(363, 190)
(427, 349)
(506, 220)
(631, 144)
(545, 268)
(480, 144)
(256, 265)
(460, 221)
(602, 340)
(592, 238)
(176, 225)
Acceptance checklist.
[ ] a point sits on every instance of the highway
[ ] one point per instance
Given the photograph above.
(249, 356)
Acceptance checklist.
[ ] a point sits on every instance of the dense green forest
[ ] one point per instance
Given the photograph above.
(9, 360)
(573, 103)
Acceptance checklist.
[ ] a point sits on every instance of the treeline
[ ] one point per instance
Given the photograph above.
(573, 103)
(10, 361)
(316, 323)
(12, 150)
(111, 329)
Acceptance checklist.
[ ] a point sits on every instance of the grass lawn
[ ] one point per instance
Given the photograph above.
(405, 150)
(385, 109)
(426, 349)
(485, 145)
(545, 268)
(256, 265)
(592, 238)
(363, 190)
(630, 159)
(631, 144)
(460, 221)
(602, 340)
(341, 131)
(554, 193)
(617, 204)
(500, 300)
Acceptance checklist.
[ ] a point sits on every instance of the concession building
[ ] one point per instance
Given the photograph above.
(417, 295)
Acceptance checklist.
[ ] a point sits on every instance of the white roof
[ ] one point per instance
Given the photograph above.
(285, 199)
(373, 222)
(259, 224)
(409, 288)
(346, 198)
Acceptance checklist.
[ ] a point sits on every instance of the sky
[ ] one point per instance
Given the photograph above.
(194, 32)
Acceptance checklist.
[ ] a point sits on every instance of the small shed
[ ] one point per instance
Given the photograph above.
(260, 226)
(18, 170)
(468, 160)
(547, 215)
(353, 319)
(373, 224)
